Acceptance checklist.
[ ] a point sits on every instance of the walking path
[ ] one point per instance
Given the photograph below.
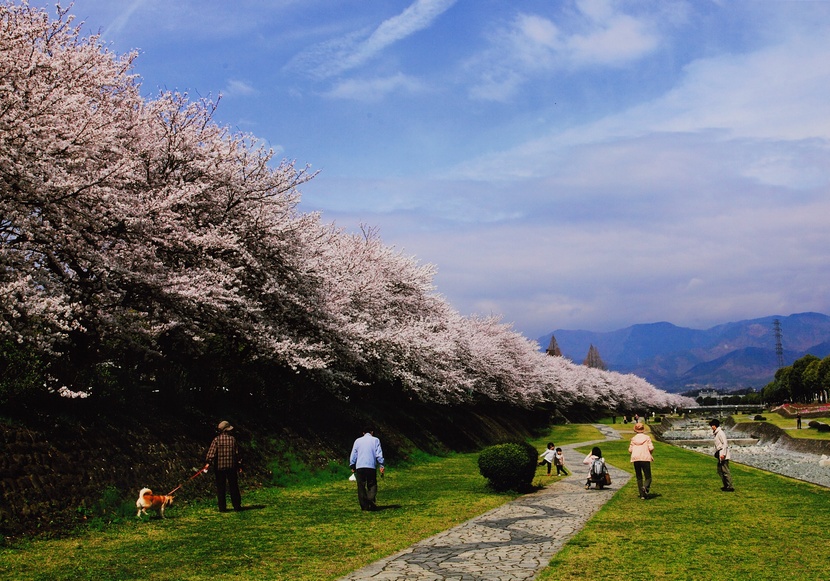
(509, 543)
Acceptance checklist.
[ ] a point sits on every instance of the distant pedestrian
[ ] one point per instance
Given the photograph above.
(722, 454)
(798, 421)
(640, 449)
(547, 456)
(223, 455)
(559, 462)
(366, 456)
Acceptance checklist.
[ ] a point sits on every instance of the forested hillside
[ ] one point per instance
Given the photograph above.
(732, 355)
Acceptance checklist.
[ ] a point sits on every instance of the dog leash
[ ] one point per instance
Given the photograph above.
(198, 472)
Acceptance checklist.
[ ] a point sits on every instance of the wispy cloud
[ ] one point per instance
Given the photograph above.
(534, 45)
(122, 19)
(237, 88)
(374, 90)
(335, 57)
(773, 94)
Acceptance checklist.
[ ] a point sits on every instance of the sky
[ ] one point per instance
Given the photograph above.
(565, 164)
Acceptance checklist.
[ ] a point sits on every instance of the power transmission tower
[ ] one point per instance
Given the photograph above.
(779, 347)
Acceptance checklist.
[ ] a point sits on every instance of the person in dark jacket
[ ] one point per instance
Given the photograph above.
(223, 455)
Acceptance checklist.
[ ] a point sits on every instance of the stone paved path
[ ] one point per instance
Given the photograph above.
(509, 543)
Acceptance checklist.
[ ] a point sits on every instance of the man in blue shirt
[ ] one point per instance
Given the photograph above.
(366, 456)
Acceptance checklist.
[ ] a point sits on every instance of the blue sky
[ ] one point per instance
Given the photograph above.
(573, 164)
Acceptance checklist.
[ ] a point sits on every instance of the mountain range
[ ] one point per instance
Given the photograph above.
(678, 359)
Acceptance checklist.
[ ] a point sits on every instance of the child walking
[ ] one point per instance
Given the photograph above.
(559, 462)
(547, 456)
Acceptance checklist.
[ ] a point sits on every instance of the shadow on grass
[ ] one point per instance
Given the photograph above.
(252, 507)
(387, 507)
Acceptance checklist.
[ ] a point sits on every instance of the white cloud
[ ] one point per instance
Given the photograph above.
(618, 41)
(237, 88)
(533, 46)
(340, 55)
(373, 90)
(740, 261)
(770, 103)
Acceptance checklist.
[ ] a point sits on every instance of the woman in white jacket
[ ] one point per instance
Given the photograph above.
(640, 449)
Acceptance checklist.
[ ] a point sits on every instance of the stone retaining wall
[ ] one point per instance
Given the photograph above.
(765, 432)
(56, 469)
(769, 434)
(52, 477)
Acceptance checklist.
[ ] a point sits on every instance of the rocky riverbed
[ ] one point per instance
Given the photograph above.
(775, 458)
(774, 451)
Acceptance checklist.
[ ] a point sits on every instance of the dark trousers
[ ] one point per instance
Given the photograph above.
(724, 473)
(367, 487)
(642, 470)
(228, 481)
(560, 469)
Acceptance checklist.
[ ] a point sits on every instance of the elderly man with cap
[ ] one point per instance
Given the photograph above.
(223, 455)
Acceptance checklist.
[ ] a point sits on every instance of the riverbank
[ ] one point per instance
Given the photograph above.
(775, 450)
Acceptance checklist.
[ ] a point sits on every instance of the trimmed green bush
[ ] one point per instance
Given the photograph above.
(509, 466)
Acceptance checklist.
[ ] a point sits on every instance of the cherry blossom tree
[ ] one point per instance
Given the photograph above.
(142, 243)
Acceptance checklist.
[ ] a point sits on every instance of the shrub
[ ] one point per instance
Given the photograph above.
(813, 424)
(823, 427)
(509, 466)
(759, 418)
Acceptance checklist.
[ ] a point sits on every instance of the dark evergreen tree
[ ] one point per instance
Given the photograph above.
(593, 359)
(553, 348)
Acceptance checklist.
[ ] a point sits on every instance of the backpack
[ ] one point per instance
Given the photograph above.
(598, 467)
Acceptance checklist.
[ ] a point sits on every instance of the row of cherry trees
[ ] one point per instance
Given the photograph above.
(144, 246)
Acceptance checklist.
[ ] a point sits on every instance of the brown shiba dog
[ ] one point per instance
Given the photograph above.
(157, 502)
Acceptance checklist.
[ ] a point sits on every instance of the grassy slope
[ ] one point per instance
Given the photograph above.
(309, 532)
(317, 531)
(789, 424)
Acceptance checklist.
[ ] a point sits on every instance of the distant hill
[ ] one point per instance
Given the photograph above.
(726, 357)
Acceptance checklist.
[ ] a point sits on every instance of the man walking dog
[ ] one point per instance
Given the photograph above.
(223, 455)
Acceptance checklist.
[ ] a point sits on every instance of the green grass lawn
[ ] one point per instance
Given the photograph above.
(789, 424)
(309, 532)
(318, 532)
(771, 528)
